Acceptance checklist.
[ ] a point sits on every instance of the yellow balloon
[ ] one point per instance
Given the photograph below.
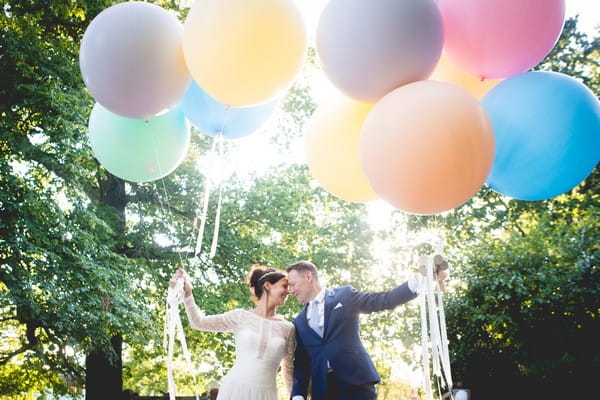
(244, 52)
(331, 142)
(447, 71)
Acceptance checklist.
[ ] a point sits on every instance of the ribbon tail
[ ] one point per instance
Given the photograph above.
(206, 197)
(213, 247)
(424, 343)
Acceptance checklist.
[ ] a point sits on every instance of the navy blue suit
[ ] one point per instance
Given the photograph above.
(340, 344)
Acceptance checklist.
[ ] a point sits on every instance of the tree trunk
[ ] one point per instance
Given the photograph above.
(103, 372)
(103, 377)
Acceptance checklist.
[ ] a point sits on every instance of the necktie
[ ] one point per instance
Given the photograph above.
(313, 322)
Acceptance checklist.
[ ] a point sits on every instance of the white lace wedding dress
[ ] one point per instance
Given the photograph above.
(261, 346)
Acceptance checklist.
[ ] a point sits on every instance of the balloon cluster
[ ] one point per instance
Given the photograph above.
(152, 76)
(427, 146)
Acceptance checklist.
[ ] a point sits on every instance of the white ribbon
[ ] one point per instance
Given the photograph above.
(434, 336)
(172, 329)
(215, 165)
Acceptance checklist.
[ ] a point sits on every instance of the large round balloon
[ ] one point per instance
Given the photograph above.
(331, 142)
(548, 134)
(244, 52)
(427, 147)
(212, 117)
(500, 38)
(368, 48)
(138, 150)
(131, 59)
(447, 71)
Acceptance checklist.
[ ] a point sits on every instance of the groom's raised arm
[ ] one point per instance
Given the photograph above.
(368, 302)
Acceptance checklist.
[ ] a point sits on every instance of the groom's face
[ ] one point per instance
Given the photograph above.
(299, 284)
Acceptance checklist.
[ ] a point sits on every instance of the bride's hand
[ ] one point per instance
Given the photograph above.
(187, 282)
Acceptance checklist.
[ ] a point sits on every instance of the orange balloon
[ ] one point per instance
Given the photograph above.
(427, 147)
(331, 142)
(447, 71)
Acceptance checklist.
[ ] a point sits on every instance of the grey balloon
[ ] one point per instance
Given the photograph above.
(368, 48)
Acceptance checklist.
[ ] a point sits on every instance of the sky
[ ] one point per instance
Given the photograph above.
(589, 13)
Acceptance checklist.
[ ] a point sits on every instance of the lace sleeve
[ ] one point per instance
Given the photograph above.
(287, 363)
(212, 323)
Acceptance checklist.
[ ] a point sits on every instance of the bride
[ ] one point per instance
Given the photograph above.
(263, 341)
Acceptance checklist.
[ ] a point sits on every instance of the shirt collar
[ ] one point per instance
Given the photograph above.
(320, 296)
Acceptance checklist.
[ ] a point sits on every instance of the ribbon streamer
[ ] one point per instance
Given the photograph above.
(215, 164)
(434, 338)
(173, 328)
(213, 247)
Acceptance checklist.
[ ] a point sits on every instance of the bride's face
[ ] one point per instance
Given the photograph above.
(278, 292)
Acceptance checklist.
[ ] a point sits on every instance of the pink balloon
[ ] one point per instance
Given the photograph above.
(500, 38)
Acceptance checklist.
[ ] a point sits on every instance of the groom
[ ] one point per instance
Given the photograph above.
(329, 350)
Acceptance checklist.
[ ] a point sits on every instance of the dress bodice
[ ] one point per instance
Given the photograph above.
(261, 344)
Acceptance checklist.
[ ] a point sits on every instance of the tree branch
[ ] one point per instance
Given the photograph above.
(9, 356)
(152, 198)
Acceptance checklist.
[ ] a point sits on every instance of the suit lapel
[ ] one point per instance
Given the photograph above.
(304, 320)
(329, 303)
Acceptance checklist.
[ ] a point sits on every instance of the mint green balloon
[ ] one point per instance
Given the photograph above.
(139, 150)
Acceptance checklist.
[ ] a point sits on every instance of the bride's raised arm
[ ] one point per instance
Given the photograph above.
(225, 322)
(287, 363)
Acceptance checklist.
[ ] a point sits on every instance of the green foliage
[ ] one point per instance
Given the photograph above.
(529, 310)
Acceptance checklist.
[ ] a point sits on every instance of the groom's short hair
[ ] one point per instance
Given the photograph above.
(303, 266)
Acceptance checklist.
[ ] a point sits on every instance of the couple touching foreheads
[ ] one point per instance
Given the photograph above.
(320, 354)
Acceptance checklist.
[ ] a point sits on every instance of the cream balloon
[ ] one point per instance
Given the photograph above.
(244, 52)
(447, 71)
(331, 142)
(427, 147)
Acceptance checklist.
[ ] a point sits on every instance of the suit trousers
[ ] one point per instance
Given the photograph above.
(337, 390)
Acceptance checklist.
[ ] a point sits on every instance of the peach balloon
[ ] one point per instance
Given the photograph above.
(427, 147)
(331, 142)
(448, 71)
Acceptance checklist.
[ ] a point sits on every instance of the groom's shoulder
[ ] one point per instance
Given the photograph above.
(342, 290)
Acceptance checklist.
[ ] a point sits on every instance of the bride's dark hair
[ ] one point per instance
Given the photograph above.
(259, 274)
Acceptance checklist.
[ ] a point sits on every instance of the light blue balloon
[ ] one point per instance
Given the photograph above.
(139, 150)
(212, 117)
(547, 128)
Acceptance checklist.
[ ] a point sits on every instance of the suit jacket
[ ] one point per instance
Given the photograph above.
(340, 344)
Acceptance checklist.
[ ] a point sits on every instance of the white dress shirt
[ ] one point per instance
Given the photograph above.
(320, 297)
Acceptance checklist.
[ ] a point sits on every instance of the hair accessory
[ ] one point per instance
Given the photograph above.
(262, 278)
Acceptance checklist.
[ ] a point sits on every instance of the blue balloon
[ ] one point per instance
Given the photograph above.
(547, 128)
(212, 117)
